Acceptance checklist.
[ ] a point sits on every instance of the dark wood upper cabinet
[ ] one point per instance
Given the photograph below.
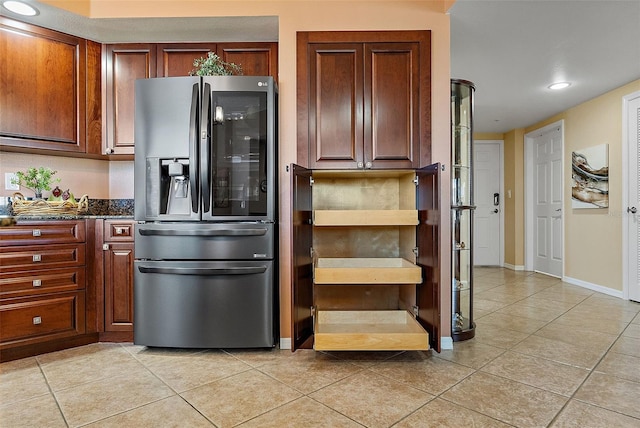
(176, 59)
(42, 89)
(127, 62)
(364, 99)
(123, 65)
(256, 59)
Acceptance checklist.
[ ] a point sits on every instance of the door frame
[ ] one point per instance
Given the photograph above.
(502, 195)
(626, 242)
(529, 240)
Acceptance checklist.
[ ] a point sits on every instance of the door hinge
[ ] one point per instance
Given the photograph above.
(415, 311)
(416, 252)
(416, 180)
(310, 181)
(313, 311)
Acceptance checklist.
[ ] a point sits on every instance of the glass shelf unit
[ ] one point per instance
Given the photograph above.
(462, 324)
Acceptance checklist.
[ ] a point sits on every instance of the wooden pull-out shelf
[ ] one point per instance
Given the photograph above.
(366, 271)
(368, 331)
(365, 217)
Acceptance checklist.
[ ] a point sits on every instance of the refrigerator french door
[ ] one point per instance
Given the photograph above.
(205, 202)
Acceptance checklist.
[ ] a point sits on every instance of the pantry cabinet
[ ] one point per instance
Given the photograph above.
(366, 262)
(47, 93)
(364, 99)
(42, 287)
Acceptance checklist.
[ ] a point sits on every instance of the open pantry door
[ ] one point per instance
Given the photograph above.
(427, 239)
(301, 264)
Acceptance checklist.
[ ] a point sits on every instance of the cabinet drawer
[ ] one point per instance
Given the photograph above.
(118, 230)
(55, 314)
(14, 259)
(47, 281)
(49, 232)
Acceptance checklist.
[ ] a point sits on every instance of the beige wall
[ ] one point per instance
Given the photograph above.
(311, 15)
(592, 237)
(81, 176)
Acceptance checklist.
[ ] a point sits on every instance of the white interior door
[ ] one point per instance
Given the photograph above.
(488, 199)
(632, 234)
(547, 203)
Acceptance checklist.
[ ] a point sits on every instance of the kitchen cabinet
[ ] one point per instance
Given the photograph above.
(114, 276)
(42, 287)
(127, 62)
(366, 262)
(364, 99)
(124, 63)
(48, 97)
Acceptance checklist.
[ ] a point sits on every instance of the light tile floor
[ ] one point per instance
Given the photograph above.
(545, 353)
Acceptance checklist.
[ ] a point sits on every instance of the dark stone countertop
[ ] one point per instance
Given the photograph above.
(98, 208)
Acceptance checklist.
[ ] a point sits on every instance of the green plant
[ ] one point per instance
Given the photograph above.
(36, 179)
(213, 65)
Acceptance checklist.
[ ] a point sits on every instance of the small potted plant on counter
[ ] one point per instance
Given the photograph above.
(36, 179)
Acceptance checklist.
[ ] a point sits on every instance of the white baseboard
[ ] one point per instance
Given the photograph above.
(285, 343)
(595, 287)
(514, 267)
(446, 342)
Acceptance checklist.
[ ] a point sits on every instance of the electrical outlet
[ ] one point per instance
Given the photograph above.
(8, 185)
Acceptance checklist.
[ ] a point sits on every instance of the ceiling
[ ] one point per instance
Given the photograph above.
(510, 49)
(513, 49)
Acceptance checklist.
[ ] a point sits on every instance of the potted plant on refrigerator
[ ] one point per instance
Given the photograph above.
(213, 65)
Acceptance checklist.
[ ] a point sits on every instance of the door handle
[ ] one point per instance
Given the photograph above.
(632, 210)
(496, 199)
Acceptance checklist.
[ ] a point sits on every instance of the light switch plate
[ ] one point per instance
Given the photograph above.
(8, 176)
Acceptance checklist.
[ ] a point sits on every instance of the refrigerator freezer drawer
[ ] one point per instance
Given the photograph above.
(204, 241)
(204, 304)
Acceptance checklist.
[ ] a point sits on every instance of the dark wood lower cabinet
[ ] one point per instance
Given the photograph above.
(114, 277)
(43, 288)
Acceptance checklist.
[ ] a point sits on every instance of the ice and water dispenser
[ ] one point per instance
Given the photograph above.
(168, 187)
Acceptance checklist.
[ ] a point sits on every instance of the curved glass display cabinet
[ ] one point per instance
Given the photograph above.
(462, 325)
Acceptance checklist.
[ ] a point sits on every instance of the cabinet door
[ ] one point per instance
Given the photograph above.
(176, 59)
(124, 64)
(391, 105)
(335, 105)
(42, 88)
(118, 299)
(428, 232)
(301, 265)
(256, 59)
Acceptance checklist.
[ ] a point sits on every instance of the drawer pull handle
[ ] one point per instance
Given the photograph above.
(37, 320)
(37, 283)
(37, 258)
(36, 232)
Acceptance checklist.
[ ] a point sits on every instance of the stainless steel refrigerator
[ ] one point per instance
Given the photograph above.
(206, 210)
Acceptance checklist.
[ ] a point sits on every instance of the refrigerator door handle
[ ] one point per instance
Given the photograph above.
(194, 128)
(197, 232)
(249, 270)
(205, 148)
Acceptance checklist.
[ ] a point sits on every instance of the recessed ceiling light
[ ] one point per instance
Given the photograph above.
(559, 85)
(20, 8)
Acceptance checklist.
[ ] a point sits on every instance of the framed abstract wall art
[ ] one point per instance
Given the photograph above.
(590, 177)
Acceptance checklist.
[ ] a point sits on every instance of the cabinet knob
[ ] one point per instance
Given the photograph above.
(360, 165)
(37, 258)
(37, 320)
(109, 151)
(36, 232)
(37, 283)
(368, 165)
(105, 247)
